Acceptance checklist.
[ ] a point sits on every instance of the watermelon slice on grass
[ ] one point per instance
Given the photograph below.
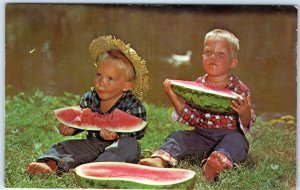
(206, 98)
(86, 119)
(118, 175)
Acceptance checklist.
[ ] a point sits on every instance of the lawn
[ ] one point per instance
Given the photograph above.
(30, 130)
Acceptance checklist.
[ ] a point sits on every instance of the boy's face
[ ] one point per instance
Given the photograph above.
(111, 80)
(217, 60)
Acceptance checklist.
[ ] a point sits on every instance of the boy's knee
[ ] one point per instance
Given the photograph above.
(128, 142)
(176, 135)
(130, 148)
(235, 146)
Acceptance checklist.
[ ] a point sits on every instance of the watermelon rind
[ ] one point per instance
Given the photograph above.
(206, 99)
(132, 183)
(142, 124)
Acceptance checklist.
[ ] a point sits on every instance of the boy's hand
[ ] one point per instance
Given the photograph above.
(176, 101)
(168, 89)
(65, 130)
(243, 108)
(108, 135)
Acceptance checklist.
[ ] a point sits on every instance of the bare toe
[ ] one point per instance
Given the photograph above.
(39, 168)
(153, 162)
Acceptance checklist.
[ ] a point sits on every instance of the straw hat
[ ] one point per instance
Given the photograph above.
(102, 44)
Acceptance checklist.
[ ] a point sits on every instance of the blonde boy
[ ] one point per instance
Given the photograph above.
(120, 74)
(222, 136)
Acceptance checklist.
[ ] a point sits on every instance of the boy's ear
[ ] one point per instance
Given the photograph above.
(127, 86)
(234, 63)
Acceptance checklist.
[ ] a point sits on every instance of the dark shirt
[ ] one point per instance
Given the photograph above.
(128, 103)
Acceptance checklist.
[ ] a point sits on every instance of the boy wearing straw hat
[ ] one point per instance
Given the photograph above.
(121, 76)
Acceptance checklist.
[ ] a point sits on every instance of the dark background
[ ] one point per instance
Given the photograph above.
(47, 46)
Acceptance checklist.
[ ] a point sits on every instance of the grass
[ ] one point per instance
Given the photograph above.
(31, 130)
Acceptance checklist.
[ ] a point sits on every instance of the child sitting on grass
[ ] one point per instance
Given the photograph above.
(119, 70)
(222, 136)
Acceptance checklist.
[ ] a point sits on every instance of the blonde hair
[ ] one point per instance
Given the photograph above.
(225, 35)
(117, 54)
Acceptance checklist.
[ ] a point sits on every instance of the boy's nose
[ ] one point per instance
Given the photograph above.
(99, 82)
(214, 54)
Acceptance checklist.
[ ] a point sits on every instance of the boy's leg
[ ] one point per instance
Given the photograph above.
(126, 149)
(178, 145)
(47, 167)
(157, 162)
(233, 148)
(67, 155)
(168, 153)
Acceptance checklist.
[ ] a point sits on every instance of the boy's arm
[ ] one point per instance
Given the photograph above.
(243, 108)
(246, 113)
(65, 130)
(185, 114)
(177, 102)
(108, 135)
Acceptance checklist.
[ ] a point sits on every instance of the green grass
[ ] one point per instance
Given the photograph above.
(31, 130)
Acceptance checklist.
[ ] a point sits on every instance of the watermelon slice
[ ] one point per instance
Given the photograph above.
(118, 175)
(86, 119)
(209, 99)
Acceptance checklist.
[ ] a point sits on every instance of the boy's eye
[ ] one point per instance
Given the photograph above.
(105, 79)
(208, 53)
(97, 75)
(218, 54)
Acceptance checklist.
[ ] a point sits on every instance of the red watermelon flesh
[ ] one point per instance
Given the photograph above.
(134, 172)
(202, 87)
(86, 119)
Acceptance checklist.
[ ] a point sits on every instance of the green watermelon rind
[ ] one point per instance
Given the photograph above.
(207, 100)
(139, 127)
(125, 183)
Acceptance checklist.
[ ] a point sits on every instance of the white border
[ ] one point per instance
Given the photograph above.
(210, 2)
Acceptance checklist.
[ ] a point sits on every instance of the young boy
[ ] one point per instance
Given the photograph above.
(119, 70)
(222, 136)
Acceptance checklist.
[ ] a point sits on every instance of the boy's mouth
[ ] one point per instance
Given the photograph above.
(99, 88)
(213, 64)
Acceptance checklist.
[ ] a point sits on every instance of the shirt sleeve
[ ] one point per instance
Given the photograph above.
(86, 100)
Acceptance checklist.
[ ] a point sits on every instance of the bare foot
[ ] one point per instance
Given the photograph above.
(154, 162)
(215, 164)
(39, 168)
